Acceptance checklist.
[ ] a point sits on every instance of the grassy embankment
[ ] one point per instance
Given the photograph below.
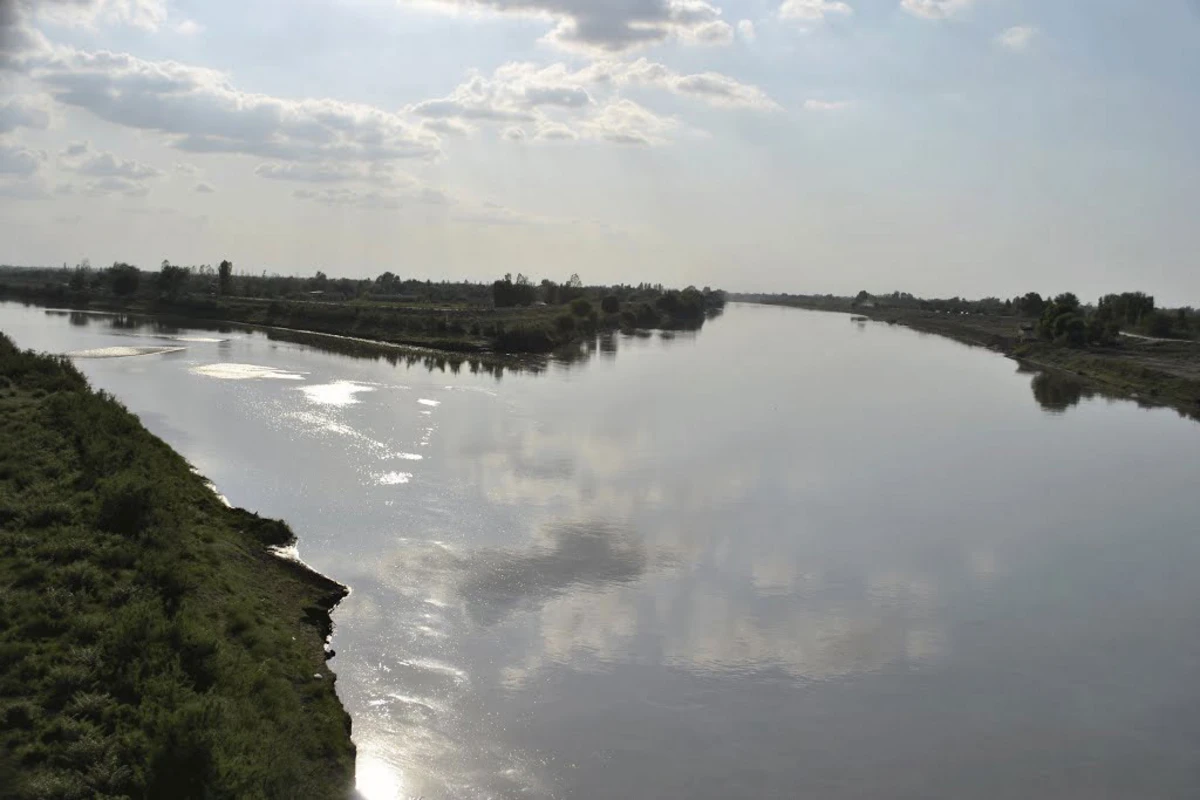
(1163, 373)
(150, 646)
(466, 323)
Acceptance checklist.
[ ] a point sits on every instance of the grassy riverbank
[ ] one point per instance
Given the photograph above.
(467, 318)
(150, 646)
(1156, 372)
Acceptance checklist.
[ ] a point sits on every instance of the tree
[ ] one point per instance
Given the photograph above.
(225, 277)
(581, 307)
(1030, 305)
(123, 278)
(172, 280)
(610, 304)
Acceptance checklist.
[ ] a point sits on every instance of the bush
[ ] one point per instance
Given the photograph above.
(610, 304)
(581, 307)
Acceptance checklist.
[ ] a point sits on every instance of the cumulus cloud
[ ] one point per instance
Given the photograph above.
(78, 157)
(204, 188)
(555, 132)
(202, 112)
(746, 30)
(825, 105)
(189, 27)
(625, 122)
(145, 14)
(443, 126)
(812, 10)
(524, 92)
(717, 32)
(189, 170)
(24, 112)
(934, 9)
(373, 198)
(513, 133)
(601, 25)
(1018, 37)
(16, 159)
(115, 185)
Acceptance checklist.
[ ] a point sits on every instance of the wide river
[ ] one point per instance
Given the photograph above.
(786, 557)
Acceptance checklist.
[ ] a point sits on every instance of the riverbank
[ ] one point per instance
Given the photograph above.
(150, 644)
(465, 328)
(1152, 372)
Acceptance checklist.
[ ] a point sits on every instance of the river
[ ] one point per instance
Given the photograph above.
(789, 556)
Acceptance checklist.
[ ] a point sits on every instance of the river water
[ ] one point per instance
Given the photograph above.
(786, 557)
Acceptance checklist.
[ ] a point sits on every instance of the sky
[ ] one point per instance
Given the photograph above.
(940, 147)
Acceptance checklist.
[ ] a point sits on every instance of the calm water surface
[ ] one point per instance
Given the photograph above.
(788, 557)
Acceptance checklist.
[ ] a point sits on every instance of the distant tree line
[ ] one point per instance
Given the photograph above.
(1061, 318)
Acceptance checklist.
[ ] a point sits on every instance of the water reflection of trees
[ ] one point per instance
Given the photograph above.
(605, 344)
(1056, 392)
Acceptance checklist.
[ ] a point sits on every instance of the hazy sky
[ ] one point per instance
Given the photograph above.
(935, 146)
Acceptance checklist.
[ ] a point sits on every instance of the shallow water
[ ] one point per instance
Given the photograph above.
(786, 557)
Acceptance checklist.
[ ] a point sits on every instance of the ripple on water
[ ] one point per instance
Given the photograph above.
(245, 372)
(338, 393)
(122, 352)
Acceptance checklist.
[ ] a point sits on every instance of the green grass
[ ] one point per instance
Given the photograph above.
(149, 644)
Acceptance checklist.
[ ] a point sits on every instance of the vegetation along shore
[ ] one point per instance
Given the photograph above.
(150, 644)
(508, 316)
(1124, 342)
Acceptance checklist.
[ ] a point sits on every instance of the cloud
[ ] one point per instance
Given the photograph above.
(514, 133)
(24, 112)
(144, 14)
(189, 27)
(200, 111)
(812, 10)
(16, 159)
(1018, 37)
(825, 105)
(189, 170)
(115, 185)
(372, 198)
(525, 92)
(555, 132)
(204, 188)
(597, 25)
(79, 158)
(446, 127)
(746, 30)
(717, 32)
(625, 122)
(313, 173)
(934, 9)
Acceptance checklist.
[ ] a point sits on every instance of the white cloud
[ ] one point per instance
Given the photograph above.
(607, 26)
(189, 170)
(446, 126)
(934, 9)
(825, 105)
(373, 198)
(114, 185)
(717, 32)
(311, 173)
(204, 188)
(79, 158)
(1018, 37)
(201, 112)
(524, 92)
(145, 14)
(16, 159)
(625, 122)
(24, 112)
(555, 132)
(746, 30)
(513, 133)
(189, 27)
(812, 10)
